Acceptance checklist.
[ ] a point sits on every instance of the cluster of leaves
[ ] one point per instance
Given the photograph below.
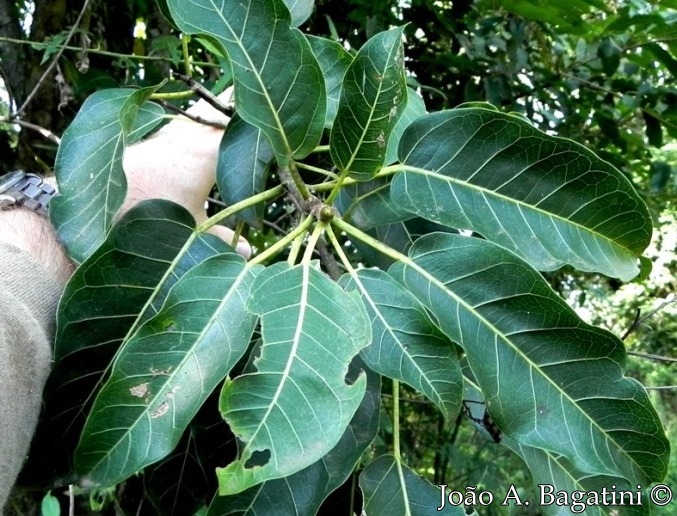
(597, 72)
(455, 213)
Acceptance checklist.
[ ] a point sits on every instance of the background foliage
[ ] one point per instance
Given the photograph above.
(599, 73)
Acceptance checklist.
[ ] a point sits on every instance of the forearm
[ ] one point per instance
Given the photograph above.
(35, 235)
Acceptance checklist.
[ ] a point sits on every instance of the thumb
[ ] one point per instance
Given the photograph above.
(226, 234)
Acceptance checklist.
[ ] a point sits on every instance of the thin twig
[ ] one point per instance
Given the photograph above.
(662, 388)
(205, 94)
(640, 320)
(71, 500)
(54, 62)
(633, 326)
(44, 132)
(649, 356)
(194, 118)
(107, 53)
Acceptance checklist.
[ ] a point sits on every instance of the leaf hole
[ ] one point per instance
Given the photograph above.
(354, 370)
(258, 458)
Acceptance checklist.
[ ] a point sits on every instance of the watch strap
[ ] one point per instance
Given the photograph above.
(21, 189)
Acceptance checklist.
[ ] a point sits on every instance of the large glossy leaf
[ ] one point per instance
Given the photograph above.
(122, 284)
(304, 492)
(414, 108)
(550, 380)
(372, 98)
(399, 236)
(300, 10)
(88, 168)
(166, 370)
(334, 60)
(279, 86)
(392, 488)
(406, 345)
(294, 408)
(367, 204)
(555, 474)
(244, 157)
(548, 199)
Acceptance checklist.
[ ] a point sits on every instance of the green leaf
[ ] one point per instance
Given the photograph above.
(390, 487)
(279, 86)
(406, 346)
(152, 394)
(610, 54)
(548, 199)
(244, 159)
(374, 94)
(121, 285)
(367, 204)
(663, 56)
(300, 10)
(304, 492)
(334, 60)
(550, 380)
(414, 108)
(399, 236)
(554, 474)
(50, 505)
(654, 131)
(295, 407)
(88, 168)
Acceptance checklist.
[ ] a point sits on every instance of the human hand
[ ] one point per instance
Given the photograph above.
(178, 163)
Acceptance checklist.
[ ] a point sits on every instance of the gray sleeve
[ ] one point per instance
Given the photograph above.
(28, 301)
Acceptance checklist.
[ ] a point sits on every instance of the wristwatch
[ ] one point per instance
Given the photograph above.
(21, 189)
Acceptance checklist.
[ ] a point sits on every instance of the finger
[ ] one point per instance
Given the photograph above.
(226, 234)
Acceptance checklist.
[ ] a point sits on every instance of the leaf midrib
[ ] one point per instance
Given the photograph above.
(162, 392)
(510, 200)
(371, 110)
(516, 350)
(262, 87)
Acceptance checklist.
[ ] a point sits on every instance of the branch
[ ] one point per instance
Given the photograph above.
(649, 356)
(108, 53)
(194, 118)
(54, 62)
(205, 94)
(44, 132)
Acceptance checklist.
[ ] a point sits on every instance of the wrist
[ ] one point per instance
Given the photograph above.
(35, 235)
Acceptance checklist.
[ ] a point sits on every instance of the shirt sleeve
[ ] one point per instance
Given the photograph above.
(28, 301)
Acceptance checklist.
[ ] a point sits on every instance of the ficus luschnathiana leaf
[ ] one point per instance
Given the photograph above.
(389, 487)
(244, 157)
(367, 204)
(279, 86)
(414, 108)
(300, 10)
(334, 60)
(555, 474)
(372, 98)
(295, 407)
(550, 380)
(121, 285)
(88, 168)
(303, 492)
(548, 199)
(405, 344)
(166, 369)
